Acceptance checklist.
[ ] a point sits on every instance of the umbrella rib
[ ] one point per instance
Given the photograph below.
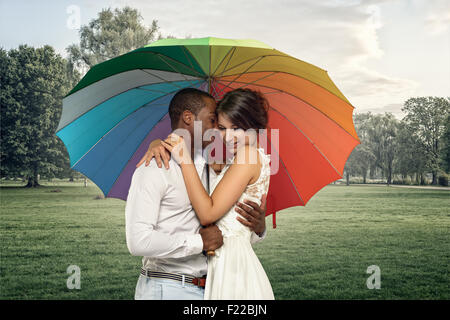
(246, 61)
(314, 145)
(296, 75)
(118, 124)
(287, 172)
(115, 180)
(285, 92)
(159, 91)
(209, 71)
(195, 59)
(183, 48)
(249, 83)
(164, 81)
(135, 152)
(233, 49)
(149, 90)
(241, 74)
(183, 75)
(276, 55)
(160, 55)
(132, 53)
(215, 94)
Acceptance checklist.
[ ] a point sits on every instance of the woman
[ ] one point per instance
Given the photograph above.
(234, 272)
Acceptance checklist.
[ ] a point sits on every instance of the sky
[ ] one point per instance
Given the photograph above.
(379, 53)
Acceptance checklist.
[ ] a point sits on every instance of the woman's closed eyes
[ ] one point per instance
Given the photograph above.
(221, 128)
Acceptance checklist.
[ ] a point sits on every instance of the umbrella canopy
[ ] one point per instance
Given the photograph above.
(121, 105)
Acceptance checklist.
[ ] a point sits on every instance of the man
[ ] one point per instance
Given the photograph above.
(161, 224)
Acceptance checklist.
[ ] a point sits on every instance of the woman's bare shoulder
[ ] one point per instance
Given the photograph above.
(247, 155)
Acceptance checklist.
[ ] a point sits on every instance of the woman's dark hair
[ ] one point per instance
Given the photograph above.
(246, 109)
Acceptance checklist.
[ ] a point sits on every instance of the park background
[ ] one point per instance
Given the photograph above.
(390, 209)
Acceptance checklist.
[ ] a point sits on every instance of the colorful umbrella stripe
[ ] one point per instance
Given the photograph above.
(120, 106)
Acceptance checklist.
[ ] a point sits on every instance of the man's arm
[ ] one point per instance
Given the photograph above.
(254, 215)
(148, 187)
(255, 238)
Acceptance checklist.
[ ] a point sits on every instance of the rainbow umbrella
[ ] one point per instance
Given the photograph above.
(110, 117)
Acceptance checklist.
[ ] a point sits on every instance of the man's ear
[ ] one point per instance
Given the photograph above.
(187, 117)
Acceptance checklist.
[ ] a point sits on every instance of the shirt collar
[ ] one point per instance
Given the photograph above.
(200, 161)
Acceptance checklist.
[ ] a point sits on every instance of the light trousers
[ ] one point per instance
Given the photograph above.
(166, 289)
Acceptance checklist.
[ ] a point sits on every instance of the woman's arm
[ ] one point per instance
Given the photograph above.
(211, 208)
(229, 189)
(157, 151)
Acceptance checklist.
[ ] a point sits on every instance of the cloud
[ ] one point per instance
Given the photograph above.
(438, 22)
(362, 81)
(369, 90)
(340, 36)
(325, 33)
(394, 108)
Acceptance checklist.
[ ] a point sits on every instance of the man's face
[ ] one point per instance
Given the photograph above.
(208, 117)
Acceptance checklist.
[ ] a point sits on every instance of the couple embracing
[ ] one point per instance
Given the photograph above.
(194, 222)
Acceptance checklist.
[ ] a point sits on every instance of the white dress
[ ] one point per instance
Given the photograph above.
(234, 272)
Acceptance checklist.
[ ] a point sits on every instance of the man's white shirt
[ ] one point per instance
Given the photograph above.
(161, 224)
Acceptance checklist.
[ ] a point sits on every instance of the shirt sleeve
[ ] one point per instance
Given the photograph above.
(255, 238)
(147, 189)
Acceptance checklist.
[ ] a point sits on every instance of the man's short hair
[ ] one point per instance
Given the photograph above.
(190, 99)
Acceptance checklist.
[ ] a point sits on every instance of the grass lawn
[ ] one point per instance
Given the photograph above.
(320, 251)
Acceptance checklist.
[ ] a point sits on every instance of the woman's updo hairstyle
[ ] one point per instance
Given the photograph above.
(245, 108)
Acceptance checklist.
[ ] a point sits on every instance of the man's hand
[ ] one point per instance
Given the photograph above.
(254, 215)
(156, 150)
(212, 237)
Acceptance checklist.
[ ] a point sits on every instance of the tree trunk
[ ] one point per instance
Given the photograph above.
(347, 176)
(389, 175)
(434, 182)
(33, 181)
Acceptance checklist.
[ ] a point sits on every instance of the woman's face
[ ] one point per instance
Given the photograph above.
(232, 136)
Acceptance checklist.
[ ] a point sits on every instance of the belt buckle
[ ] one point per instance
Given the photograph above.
(199, 282)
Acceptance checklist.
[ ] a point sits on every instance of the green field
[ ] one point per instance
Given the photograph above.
(320, 251)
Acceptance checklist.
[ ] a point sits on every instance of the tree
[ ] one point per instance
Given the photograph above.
(364, 154)
(445, 147)
(359, 162)
(33, 83)
(113, 33)
(425, 117)
(381, 134)
(361, 157)
(411, 159)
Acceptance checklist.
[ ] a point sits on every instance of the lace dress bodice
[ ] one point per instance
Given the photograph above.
(234, 271)
(228, 224)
